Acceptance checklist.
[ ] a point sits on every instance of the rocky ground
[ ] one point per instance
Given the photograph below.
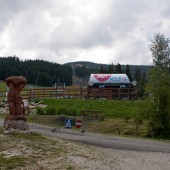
(33, 151)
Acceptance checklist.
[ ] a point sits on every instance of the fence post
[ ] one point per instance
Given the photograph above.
(81, 92)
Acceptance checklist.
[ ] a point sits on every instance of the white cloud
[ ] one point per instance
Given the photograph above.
(109, 31)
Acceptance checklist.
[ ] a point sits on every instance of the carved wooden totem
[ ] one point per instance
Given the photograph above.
(16, 105)
(14, 99)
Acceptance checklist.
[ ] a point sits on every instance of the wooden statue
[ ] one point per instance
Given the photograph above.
(14, 99)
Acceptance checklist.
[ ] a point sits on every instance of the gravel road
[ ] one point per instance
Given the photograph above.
(118, 143)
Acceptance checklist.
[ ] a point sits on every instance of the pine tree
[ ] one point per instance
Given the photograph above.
(110, 69)
(118, 69)
(127, 72)
(137, 74)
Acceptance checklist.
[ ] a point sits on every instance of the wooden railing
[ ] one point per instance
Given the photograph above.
(77, 92)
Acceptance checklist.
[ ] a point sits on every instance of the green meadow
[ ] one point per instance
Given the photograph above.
(111, 108)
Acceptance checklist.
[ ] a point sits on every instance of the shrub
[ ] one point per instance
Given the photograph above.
(50, 111)
(63, 111)
(40, 111)
(72, 112)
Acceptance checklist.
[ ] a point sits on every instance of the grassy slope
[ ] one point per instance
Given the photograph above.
(112, 108)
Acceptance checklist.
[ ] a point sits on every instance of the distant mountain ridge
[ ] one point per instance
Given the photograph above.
(83, 69)
(87, 64)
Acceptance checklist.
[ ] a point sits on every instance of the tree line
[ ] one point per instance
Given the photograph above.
(37, 72)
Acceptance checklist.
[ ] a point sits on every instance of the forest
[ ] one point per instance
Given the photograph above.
(37, 72)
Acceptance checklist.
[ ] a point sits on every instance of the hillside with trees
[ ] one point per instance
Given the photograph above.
(37, 72)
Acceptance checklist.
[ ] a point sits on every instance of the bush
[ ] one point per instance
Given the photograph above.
(40, 111)
(63, 111)
(72, 112)
(50, 111)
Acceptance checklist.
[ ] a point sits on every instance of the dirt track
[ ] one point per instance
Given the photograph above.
(118, 143)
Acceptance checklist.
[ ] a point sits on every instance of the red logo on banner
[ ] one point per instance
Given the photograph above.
(101, 77)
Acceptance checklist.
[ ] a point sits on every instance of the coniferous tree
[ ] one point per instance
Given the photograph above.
(137, 74)
(101, 70)
(110, 69)
(36, 71)
(118, 69)
(142, 85)
(127, 72)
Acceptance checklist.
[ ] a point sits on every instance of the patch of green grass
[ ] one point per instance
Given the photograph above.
(111, 108)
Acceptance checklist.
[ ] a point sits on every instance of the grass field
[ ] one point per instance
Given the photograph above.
(111, 108)
(119, 115)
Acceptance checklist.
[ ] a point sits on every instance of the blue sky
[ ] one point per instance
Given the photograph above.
(101, 31)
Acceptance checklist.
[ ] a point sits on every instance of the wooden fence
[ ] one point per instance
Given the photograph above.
(77, 92)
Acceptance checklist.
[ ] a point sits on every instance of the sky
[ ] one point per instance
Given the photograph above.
(100, 31)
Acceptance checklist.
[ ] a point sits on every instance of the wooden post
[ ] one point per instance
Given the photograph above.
(81, 92)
